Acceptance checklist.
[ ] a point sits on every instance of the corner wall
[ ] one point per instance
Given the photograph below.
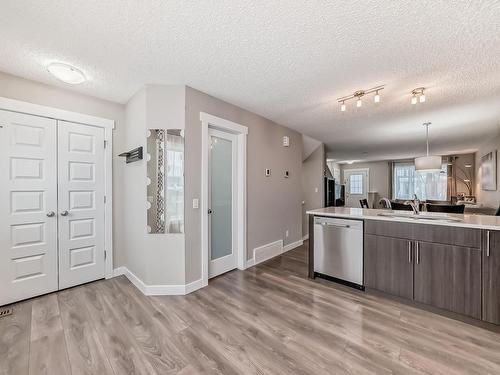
(313, 170)
(273, 203)
(156, 259)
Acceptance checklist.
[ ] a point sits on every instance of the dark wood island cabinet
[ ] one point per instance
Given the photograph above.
(491, 276)
(448, 267)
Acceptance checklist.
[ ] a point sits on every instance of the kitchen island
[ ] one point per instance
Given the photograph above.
(447, 261)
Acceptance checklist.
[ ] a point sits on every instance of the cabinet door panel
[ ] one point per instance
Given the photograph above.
(491, 279)
(388, 265)
(449, 277)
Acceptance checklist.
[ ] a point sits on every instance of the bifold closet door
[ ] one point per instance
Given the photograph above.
(28, 206)
(81, 203)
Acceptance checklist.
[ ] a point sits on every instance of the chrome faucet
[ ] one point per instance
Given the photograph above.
(415, 205)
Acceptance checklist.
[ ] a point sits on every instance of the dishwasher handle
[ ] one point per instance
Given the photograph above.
(335, 225)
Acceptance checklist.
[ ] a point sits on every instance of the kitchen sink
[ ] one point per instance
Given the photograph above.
(421, 217)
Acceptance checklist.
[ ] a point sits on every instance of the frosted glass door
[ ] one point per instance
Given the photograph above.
(222, 258)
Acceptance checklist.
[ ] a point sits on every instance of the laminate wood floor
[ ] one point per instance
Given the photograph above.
(269, 319)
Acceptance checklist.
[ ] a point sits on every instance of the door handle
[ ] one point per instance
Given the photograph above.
(417, 249)
(210, 211)
(409, 252)
(64, 213)
(487, 243)
(51, 214)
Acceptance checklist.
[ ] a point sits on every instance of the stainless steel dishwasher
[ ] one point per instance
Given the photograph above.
(338, 250)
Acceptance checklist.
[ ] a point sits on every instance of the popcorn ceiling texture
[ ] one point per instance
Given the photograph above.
(285, 60)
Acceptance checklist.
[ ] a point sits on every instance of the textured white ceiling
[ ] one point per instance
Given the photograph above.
(286, 60)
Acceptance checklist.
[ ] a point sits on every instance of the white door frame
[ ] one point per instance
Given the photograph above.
(210, 121)
(367, 170)
(108, 125)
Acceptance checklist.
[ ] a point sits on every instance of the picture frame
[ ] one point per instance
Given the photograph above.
(489, 171)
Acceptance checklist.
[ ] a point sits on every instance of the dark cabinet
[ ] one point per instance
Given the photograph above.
(448, 277)
(435, 265)
(389, 265)
(491, 276)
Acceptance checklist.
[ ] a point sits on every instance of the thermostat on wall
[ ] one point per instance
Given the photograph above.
(286, 141)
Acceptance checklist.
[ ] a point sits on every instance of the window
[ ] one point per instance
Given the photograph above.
(426, 185)
(356, 184)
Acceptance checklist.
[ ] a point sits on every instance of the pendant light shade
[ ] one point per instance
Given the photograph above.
(428, 163)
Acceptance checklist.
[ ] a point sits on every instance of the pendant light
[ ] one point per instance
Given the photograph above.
(428, 163)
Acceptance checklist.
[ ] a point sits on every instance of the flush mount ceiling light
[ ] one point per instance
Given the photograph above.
(66, 73)
(418, 95)
(358, 95)
(428, 163)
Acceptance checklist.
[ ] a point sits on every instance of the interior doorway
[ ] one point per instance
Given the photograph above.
(357, 185)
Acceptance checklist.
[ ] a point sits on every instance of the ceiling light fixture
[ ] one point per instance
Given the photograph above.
(358, 95)
(428, 163)
(418, 95)
(359, 103)
(66, 73)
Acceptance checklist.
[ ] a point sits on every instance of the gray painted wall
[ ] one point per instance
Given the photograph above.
(312, 178)
(273, 203)
(38, 93)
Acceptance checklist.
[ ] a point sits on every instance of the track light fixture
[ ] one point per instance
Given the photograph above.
(358, 95)
(418, 95)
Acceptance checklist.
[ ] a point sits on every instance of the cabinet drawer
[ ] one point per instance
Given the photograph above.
(467, 237)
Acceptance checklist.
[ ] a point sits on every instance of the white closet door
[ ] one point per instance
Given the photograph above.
(28, 197)
(81, 203)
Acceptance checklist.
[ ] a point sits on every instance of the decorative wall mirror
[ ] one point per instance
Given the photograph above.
(165, 170)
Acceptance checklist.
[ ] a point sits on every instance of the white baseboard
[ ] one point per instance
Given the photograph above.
(271, 250)
(158, 290)
(268, 251)
(250, 263)
(306, 237)
(292, 245)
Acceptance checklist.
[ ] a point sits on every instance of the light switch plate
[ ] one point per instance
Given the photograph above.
(196, 203)
(286, 141)
(268, 172)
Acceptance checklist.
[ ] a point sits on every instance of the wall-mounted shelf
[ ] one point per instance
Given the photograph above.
(132, 155)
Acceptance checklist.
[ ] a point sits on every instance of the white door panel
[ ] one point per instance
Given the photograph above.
(81, 204)
(356, 182)
(28, 194)
(222, 202)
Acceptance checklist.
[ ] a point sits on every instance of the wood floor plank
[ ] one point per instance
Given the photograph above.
(120, 348)
(15, 332)
(85, 351)
(48, 352)
(153, 339)
(269, 319)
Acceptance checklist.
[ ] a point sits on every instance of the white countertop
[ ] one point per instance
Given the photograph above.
(466, 220)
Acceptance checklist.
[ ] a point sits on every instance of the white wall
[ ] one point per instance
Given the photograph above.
(157, 259)
(313, 170)
(487, 198)
(38, 93)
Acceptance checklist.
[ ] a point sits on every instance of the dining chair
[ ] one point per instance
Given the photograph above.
(364, 203)
(448, 208)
